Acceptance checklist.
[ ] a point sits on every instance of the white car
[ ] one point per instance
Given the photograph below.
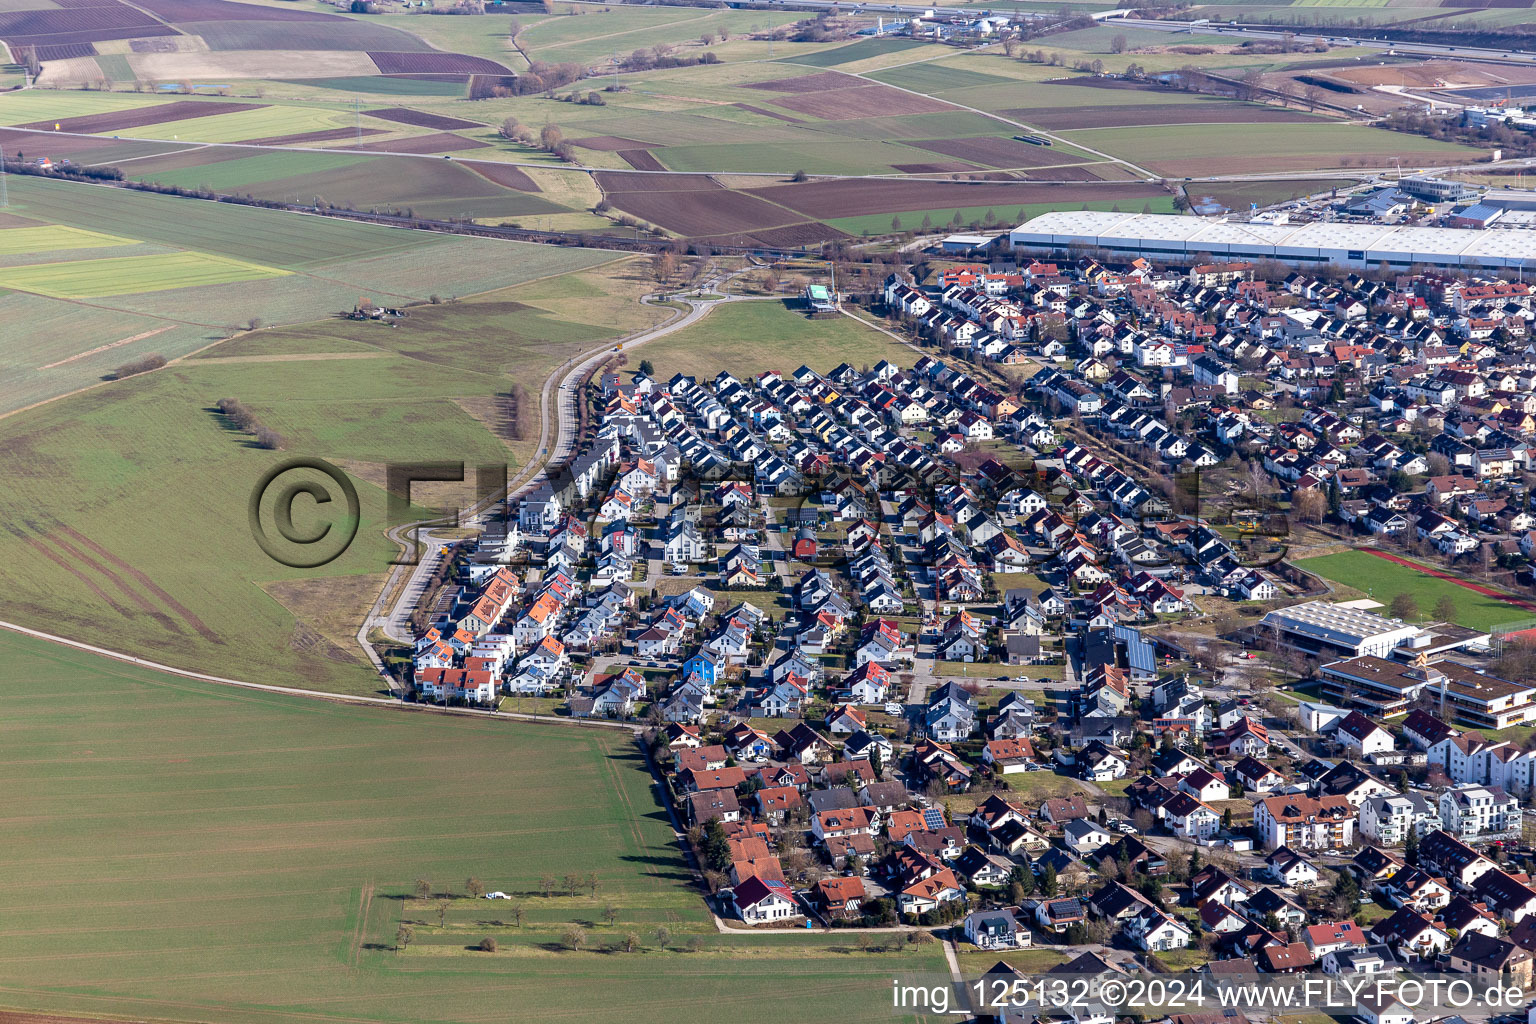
(498, 895)
(894, 709)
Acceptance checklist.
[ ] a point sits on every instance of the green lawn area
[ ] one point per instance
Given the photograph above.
(229, 855)
(974, 962)
(1516, 734)
(1038, 786)
(1184, 959)
(1116, 787)
(748, 338)
(1383, 581)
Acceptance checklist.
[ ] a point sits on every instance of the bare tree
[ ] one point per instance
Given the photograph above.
(574, 937)
(663, 267)
(442, 913)
(473, 887)
(1309, 505)
(423, 888)
(404, 935)
(1445, 609)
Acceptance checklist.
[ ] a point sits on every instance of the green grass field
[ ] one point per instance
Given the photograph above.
(1382, 581)
(154, 480)
(17, 241)
(210, 268)
(751, 337)
(234, 171)
(1221, 148)
(597, 34)
(911, 220)
(862, 50)
(203, 853)
(261, 123)
(55, 105)
(130, 274)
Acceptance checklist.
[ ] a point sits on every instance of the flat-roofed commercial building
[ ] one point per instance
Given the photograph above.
(1325, 628)
(1355, 245)
(1472, 698)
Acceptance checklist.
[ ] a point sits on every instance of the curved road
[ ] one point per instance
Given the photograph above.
(563, 389)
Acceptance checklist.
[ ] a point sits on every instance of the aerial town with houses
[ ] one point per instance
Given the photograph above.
(1013, 639)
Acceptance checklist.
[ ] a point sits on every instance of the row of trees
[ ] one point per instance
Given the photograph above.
(242, 417)
(517, 413)
(134, 367)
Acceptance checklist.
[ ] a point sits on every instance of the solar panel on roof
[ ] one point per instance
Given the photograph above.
(933, 819)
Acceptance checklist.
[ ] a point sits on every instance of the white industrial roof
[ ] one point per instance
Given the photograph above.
(1335, 622)
(1192, 233)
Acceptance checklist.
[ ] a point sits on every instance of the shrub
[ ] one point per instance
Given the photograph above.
(138, 366)
(488, 945)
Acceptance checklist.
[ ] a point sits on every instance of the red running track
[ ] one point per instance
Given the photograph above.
(1497, 595)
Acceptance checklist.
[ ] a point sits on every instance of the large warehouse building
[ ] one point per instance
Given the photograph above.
(1355, 245)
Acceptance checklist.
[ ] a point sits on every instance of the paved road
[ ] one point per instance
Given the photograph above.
(293, 691)
(561, 392)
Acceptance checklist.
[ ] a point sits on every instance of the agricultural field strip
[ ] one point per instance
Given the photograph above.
(18, 241)
(1106, 157)
(131, 275)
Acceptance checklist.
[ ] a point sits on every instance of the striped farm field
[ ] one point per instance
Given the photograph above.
(55, 105)
(167, 275)
(127, 275)
(14, 241)
(228, 855)
(260, 123)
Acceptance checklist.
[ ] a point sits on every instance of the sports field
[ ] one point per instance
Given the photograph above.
(201, 853)
(1382, 580)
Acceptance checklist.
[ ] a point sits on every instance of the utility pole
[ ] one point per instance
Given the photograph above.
(5, 198)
